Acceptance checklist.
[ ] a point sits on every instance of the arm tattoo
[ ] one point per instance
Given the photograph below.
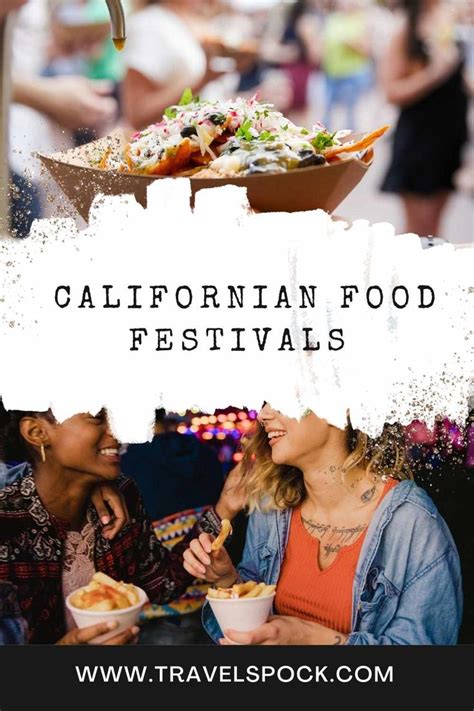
(338, 639)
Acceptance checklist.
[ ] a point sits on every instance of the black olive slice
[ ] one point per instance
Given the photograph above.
(188, 131)
(217, 119)
(314, 159)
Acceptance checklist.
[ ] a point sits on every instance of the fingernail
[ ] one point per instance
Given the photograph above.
(135, 629)
(208, 561)
(105, 520)
(112, 624)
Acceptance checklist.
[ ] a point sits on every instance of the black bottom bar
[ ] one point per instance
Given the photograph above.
(145, 677)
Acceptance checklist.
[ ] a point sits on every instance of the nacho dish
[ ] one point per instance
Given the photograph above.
(104, 594)
(234, 138)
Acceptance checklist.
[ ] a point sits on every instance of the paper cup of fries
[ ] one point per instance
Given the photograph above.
(244, 607)
(106, 600)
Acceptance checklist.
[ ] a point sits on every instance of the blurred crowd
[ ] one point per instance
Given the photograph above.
(346, 63)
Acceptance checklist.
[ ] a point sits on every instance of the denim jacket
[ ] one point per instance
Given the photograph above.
(407, 586)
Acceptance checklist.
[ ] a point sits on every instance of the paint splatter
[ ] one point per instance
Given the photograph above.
(333, 318)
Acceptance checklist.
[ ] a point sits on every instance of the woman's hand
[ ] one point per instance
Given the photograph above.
(108, 498)
(233, 496)
(87, 635)
(282, 629)
(72, 101)
(214, 566)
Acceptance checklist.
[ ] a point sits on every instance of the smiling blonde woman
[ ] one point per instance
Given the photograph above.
(358, 551)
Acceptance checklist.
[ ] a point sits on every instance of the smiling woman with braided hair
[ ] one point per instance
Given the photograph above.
(51, 541)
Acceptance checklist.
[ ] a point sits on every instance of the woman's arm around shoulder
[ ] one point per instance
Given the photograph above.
(159, 570)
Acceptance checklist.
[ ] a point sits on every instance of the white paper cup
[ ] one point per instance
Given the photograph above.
(241, 614)
(127, 617)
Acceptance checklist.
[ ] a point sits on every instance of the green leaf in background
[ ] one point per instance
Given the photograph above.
(187, 98)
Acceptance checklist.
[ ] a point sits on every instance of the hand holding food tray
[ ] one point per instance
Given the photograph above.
(240, 142)
(106, 600)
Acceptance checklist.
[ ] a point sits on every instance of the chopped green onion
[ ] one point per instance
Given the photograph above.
(266, 136)
(244, 130)
(323, 140)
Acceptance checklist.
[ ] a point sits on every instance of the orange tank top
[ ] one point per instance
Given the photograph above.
(306, 591)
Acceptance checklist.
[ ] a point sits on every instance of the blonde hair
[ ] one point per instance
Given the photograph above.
(280, 486)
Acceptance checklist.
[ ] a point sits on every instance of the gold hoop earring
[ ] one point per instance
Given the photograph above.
(43, 453)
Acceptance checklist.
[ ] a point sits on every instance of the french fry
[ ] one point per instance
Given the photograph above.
(126, 589)
(219, 594)
(104, 594)
(102, 606)
(349, 147)
(255, 592)
(242, 591)
(218, 542)
(243, 588)
(129, 591)
(120, 600)
(266, 590)
(77, 600)
(104, 579)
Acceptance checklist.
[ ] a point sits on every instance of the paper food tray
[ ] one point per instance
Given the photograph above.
(324, 186)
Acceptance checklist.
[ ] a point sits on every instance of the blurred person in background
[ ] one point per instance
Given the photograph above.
(464, 179)
(239, 33)
(174, 472)
(163, 56)
(422, 74)
(8, 6)
(81, 41)
(81, 45)
(177, 472)
(292, 42)
(346, 60)
(44, 109)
